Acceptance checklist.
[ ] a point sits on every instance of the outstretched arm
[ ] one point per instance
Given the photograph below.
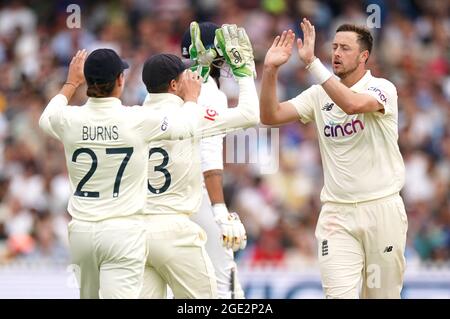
(236, 48)
(273, 112)
(203, 122)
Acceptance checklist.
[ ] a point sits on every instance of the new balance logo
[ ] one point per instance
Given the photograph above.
(327, 107)
(388, 249)
(325, 247)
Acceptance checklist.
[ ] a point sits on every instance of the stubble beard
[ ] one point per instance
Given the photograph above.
(346, 72)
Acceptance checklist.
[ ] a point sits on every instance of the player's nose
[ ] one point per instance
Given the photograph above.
(336, 54)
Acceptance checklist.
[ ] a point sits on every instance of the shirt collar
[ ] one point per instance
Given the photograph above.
(362, 82)
(104, 102)
(153, 98)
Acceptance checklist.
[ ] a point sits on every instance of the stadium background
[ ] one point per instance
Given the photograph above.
(412, 49)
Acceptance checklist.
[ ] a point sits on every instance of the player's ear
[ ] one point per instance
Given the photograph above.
(364, 56)
(120, 81)
(173, 85)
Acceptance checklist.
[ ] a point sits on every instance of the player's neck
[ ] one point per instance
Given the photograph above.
(117, 92)
(352, 78)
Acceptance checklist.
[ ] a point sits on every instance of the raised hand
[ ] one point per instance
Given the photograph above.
(306, 47)
(234, 45)
(199, 54)
(281, 49)
(75, 75)
(247, 50)
(190, 86)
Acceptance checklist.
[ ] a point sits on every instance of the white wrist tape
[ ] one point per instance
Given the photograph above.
(319, 71)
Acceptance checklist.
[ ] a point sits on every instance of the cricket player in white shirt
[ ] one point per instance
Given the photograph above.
(213, 214)
(362, 226)
(106, 147)
(176, 245)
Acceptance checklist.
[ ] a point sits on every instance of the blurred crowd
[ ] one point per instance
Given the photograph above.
(411, 49)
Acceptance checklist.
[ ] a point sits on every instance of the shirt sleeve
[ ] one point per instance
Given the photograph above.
(51, 120)
(214, 121)
(163, 125)
(211, 152)
(386, 95)
(195, 121)
(304, 104)
(211, 148)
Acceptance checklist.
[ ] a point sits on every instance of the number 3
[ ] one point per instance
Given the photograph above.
(160, 168)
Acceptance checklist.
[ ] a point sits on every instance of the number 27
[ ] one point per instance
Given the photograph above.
(128, 151)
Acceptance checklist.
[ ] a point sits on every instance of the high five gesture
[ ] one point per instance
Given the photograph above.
(306, 47)
(281, 50)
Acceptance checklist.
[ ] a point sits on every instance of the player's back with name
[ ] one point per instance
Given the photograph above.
(111, 143)
(106, 146)
(103, 133)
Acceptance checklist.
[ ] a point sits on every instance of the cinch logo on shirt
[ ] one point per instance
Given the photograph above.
(164, 124)
(343, 130)
(380, 93)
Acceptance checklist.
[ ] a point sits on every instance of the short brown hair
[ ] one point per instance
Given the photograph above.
(100, 90)
(365, 38)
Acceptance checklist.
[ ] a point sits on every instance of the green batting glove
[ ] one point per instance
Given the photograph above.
(199, 54)
(234, 45)
(247, 50)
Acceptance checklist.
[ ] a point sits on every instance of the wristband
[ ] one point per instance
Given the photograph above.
(319, 71)
(70, 84)
(219, 209)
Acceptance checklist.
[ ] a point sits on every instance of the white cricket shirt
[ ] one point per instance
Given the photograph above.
(106, 150)
(174, 167)
(360, 154)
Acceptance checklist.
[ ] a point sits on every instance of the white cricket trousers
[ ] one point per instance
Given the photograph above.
(228, 285)
(361, 248)
(109, 255)
(177, 257)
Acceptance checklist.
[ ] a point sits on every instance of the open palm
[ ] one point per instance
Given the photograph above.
(281, 49)
(306, 47)
(76, 68)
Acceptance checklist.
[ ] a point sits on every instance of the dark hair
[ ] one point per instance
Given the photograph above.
(163, 88)
(101, 89)
(365, 38)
